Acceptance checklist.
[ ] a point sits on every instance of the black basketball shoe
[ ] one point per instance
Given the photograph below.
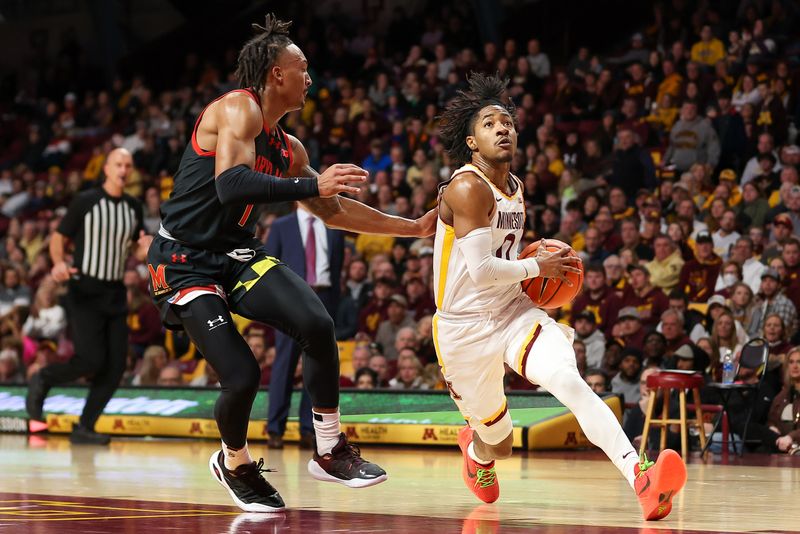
(34, 400)
(345, 465)
(248, 488)
(86, 436)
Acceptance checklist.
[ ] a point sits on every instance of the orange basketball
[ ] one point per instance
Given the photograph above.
(550, 293)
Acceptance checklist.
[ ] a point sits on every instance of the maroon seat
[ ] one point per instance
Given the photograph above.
(665, 379)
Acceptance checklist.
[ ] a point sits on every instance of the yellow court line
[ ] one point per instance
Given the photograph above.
(29, 512)
(117, 508)
(104, 518)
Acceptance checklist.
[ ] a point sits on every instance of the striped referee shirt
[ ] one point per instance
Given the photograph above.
(102, 228)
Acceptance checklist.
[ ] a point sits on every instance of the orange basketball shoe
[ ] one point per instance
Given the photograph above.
(658, 482)
(480, 479)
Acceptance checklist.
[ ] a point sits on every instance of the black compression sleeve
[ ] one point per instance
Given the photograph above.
(243, 184)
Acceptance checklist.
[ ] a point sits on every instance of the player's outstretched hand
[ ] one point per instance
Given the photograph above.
(336, 178)
(556, 264)
(427, 223)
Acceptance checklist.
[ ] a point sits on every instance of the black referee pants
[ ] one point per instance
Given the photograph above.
(100, 334)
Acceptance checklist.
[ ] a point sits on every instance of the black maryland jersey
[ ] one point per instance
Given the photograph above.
(194, 215)
(103, 229)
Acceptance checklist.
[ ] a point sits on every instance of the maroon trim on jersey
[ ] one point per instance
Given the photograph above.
(528, 349)
(289, 148)
(499, 416)
(211, 153)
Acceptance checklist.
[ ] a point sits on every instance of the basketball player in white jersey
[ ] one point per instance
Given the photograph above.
(484, 319)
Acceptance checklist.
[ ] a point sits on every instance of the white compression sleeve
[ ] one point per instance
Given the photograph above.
(487, 270)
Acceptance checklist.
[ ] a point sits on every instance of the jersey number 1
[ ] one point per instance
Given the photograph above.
(510, 238)
(247, 211)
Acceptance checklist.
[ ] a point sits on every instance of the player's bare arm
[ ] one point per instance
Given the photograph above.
(353, 216)
(237, 121)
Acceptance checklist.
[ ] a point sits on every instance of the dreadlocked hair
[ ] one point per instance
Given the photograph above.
(259, 53)
(458, 118)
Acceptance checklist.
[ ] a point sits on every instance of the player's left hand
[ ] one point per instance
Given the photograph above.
(143, 245)
(427, 223)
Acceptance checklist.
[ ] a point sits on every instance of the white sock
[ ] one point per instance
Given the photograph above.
(471, 452)
(326, 430)
(236, 457)
(596, 419)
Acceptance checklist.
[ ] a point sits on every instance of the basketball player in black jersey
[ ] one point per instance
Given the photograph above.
(206, 262)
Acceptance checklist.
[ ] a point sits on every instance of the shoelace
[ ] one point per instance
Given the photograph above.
(644, 463)
(254, 471)
(485, 477)
(354, 453)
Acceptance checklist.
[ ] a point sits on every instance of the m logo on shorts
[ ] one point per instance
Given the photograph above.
(158, 277)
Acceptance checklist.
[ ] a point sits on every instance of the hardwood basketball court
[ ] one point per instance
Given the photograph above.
(160, 486)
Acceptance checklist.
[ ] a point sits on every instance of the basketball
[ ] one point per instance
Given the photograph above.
(550, 293)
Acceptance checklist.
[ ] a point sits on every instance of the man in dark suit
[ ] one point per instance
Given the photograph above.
(315, 253)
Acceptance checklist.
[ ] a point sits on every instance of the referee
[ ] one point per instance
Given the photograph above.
(103, 223)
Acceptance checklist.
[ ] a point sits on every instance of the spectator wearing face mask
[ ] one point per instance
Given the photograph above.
(729, 276)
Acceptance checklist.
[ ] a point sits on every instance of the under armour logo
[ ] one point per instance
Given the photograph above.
(214, 323)
(284, 153)
(179, 258)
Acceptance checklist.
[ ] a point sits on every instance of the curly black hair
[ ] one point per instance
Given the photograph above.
(458, 118)
(259, 53)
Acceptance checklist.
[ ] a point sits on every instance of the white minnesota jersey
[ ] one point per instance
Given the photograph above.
(454, 290)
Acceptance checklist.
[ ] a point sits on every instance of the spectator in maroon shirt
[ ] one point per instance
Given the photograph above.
(144, 322)
(649, 301)
(604, 222)
(699, 275)
(629, 329)
(597, 298)
(374, 311)
(420, 298)
(791, 258)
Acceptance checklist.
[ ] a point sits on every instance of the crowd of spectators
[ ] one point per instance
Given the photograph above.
(671, 167)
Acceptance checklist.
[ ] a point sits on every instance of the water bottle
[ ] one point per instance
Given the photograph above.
(728, 371)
